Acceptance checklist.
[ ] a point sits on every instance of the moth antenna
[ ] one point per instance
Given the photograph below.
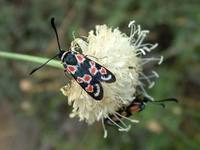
(34, 70)
(159, 102)
(57, 38)
(56, 32)
(167, 100)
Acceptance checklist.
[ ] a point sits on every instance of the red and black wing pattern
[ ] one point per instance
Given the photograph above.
(137, 105)
(100, 72)
(90, 85)
(89, 74)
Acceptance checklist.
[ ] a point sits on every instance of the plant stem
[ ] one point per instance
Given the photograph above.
(28, 58)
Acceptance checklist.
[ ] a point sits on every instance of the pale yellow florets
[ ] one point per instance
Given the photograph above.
(119, 53)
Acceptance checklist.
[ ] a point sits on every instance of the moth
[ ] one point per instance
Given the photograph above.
(87, 73)
(137, 105)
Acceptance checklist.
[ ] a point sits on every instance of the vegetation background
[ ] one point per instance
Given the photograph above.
(34, 113)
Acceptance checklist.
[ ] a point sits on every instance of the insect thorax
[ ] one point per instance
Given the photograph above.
(68, 58)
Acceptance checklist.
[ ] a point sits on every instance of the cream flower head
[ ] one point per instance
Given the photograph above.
(123, 56)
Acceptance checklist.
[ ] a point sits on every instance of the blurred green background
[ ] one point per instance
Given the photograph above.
(34, 113)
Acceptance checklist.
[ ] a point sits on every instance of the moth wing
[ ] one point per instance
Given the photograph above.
(101, 73)
(93, 87)
(94, 69)
(89, 74)
(88, 82)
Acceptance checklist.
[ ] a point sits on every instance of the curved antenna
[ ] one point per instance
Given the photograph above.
(54, 28)
(34, 70)
(159, 102)
(167, 100)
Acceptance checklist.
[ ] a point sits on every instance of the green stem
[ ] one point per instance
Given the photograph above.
(28, 58)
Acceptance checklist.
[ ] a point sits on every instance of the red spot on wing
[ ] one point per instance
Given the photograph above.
(80, 58)
(71, 69)
(89, 88)
(134, 108)
(93, 70)
(103, 71)
(87, 78)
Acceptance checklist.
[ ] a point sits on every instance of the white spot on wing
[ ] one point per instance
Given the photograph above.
(106, 78)
(98, 90)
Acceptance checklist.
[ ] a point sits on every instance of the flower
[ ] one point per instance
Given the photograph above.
(123, 55)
